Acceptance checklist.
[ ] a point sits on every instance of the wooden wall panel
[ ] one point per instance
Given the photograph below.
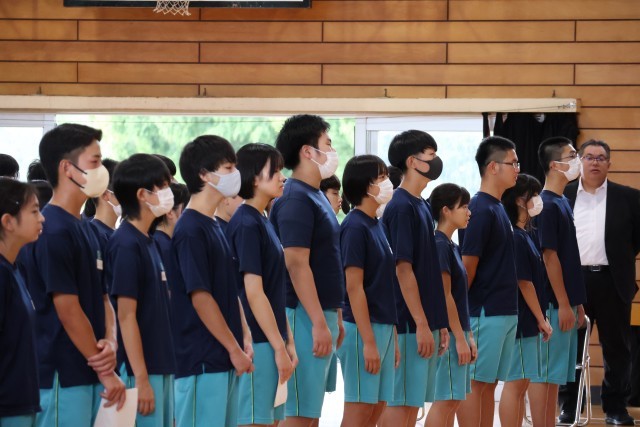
(516, 10)
(537, 53)
(322, 91)
(29, 29)
(620, 31)
(624, 74)
(630, 179)
(618, 139)
(610, 118)
(448, 31)
(624, 161)
(324, 53)
(37, 72)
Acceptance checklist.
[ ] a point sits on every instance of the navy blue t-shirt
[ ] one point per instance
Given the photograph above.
(364, 245)
(204, 263)
(451, 262)
(529, 267)
(303, 218)
(135, 270)
(103, 232)
(66, 259)
(19, 391)
(489, 236)
(410, 233)
(257, 248)
(557, 231)
(223, 224)
(163, 243)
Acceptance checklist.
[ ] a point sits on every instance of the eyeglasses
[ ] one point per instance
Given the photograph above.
(600, 159)
(570, 156)
(516, 165)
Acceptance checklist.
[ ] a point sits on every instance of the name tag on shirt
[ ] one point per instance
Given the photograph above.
(163, 276)
(99, 264)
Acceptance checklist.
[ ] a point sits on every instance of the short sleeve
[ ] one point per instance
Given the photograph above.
(548, 227)
(295, 222)
(56, 263)
(190, 251)
(247, 245)
(523, 260)
(126, 271)
(353, 246)
(477, 234)
(401, 236)
(444, 256)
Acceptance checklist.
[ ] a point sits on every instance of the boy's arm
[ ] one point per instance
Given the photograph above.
(209, 313)
(297, 261)
(261, 309)
(471, 265)
(106, 361)
(247, 339)
(75, 323)
(130, 331)
(566, 317)
(411, 295)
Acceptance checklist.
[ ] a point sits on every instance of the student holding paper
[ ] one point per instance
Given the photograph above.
(20, 223)
(260, 257)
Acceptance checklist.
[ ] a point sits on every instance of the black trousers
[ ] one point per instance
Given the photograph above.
(634, 394)
(606, 309)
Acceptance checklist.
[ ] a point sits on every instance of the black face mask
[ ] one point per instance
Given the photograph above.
(435, 168)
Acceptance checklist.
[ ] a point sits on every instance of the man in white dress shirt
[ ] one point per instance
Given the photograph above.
(607, 219)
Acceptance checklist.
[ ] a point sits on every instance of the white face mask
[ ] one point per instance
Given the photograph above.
(117, 209)
(574, 168)
(96, 181)
(228, 185)
(165, 202)
(537, 206)
(386, 191)
(380, 210)
(329, 167)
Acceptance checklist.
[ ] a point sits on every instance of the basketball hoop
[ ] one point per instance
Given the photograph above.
(174, 7)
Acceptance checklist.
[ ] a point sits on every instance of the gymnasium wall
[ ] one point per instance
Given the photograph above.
(586, 49)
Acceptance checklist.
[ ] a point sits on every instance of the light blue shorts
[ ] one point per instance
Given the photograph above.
(18, 421)
(332, 377)
(495, 337)
(207, 400)
(453, 381)
(558, 361)
(257, 390)
(415, 378)
(69, 406)
(162, 386)
(360, 385)
(308, 383)
(525, 361)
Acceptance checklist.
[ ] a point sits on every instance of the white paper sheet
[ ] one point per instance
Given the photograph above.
(125, 417)
(281, 394)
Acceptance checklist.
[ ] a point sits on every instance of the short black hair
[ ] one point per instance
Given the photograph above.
(449, 195)
(91, 205)
(492, 148)
(526, 186)
(138, 171)
(13, 196)
(252, 158)
(181, 197)
(360, 172)
(66, 141)
(204, 154)
(171, 165)
(9, 166)
(297, 131)
(395, 175)
(45, 191)
(331, 183)
(597, 143)
(35, 171)
(409, 143)
(551, 150)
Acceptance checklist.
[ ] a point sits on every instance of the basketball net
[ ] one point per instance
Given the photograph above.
(174, 7)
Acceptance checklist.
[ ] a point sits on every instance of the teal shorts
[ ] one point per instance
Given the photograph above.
(257, 390)
(162, 386)
(558, 361)
(18, 421)
(453, 381)
(415, 378)
(359, 385)
(69, 406)
(207, 400)
(525, 361)
(332, 377)
(495, 337)
(307, 385)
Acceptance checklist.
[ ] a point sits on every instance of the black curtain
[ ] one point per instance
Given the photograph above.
(528, 130)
